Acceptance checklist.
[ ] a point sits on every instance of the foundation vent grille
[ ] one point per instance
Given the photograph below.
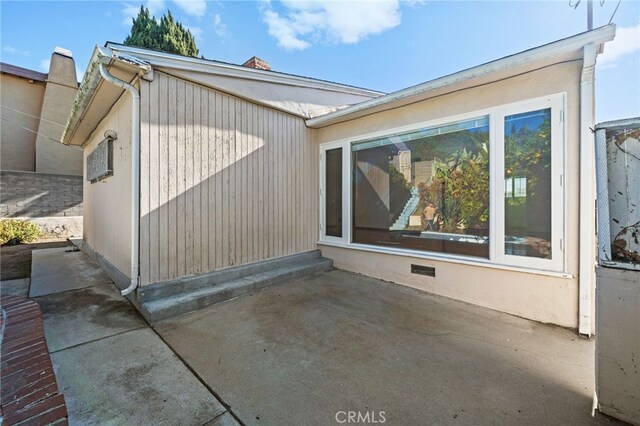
(423, 270)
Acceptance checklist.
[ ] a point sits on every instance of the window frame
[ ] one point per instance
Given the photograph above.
(554, 266)
(346, 169)
(556, 263)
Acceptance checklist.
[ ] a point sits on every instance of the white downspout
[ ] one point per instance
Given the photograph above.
(587, 192)
(135, 173)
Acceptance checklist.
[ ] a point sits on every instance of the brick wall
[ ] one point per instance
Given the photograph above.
(36, 195)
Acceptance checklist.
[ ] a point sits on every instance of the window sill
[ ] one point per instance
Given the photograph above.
(444, 258)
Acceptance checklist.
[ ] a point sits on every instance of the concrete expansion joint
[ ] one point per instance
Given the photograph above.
(226, 405)
(221, 415)
(96, 340)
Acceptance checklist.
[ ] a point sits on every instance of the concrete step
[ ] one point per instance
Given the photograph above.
(186, 284)
(195, 298)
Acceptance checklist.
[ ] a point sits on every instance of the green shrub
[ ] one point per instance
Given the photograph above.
(15, 231)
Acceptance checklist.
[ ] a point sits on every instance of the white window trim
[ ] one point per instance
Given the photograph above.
(346, 184)
(556, 263)
(557, 266)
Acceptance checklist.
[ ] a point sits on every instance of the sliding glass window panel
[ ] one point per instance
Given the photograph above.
(424, 190)
(527, 171)
(333, 198)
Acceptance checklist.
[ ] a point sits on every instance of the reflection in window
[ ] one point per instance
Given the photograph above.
(333, 212)
(515, 187)
(527, 139)
(427, 189)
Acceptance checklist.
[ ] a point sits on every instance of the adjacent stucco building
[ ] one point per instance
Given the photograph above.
(35, 107)
(41, 178)
(476, 186)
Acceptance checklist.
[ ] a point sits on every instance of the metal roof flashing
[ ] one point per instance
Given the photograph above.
(569, 45)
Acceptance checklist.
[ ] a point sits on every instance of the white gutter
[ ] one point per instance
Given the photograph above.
(570, 44)
(587, 192)
(135, 173)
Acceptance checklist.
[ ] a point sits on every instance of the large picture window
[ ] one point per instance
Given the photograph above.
(486, 186)
(426, 190)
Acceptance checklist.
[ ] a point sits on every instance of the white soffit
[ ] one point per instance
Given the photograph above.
(94, 98)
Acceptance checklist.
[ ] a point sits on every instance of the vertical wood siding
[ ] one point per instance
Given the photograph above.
(224, 182)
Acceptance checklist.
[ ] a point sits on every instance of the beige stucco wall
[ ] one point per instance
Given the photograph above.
(18, 145)
(535, 296)
(107, 203)
(224, 182)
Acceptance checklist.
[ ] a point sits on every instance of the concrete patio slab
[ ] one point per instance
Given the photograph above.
(131, 378)
(90, 313)
(60, 269)
(19, 287)
(316, 348)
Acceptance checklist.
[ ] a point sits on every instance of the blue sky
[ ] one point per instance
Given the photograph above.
(381, 45)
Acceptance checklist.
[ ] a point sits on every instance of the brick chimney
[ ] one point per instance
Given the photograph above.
(257, 63)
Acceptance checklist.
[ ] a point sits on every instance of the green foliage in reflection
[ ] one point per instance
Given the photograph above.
(527, 153)
(460, 188)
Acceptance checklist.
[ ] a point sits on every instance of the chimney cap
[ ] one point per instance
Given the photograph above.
(62, 51)
(257, 63)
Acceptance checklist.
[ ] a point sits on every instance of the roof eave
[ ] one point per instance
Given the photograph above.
(598, 36)
(90, 83)
(167, 60)
(21, 72)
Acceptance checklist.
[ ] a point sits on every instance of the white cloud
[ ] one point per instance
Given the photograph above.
(283, 31)
(155, 7)
(44, 64)
(219, 27)
(13, 51)
(196, 31)
(130, 11)
(192, 7)
(304, 22)
(627, 41)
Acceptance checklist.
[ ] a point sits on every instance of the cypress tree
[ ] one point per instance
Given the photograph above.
(168, 35)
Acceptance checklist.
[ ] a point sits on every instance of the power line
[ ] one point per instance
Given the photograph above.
(29, 130)
(575, 6)
(34, 116)
(614, 12)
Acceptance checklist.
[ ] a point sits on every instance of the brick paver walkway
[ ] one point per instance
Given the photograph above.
(28, 388)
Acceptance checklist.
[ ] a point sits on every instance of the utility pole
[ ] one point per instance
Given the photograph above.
(589, 15)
